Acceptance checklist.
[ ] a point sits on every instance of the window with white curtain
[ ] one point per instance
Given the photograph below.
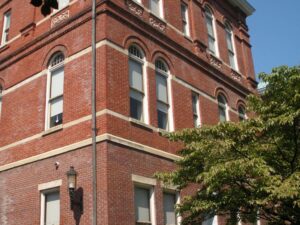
(50, 207)
(209, 19)
(162, 94)
(55, 91)
(156, 7)
(222, 105)
(142, 201)
(169, 203)
(6, 27)
(185, 19)
(230, 46)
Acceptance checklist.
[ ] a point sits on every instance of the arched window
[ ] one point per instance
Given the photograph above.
(1, 90)
(209, 19)
(55, 84)
(242, 113)
(230, 46)
(136, 83)
(163, 106)
(222, 105)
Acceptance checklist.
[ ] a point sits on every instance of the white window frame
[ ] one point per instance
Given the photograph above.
(160, 5)
(169, 104)
(229, 31)
(5, 29)
(225, 106)
(64, 6)
(142, 61)
(44, 189)
(208, 13)
(197, 113)
(146, 183)
(48, 89)
(174, 191)
(185, 19)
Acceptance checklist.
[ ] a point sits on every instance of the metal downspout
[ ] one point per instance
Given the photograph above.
(94, 127)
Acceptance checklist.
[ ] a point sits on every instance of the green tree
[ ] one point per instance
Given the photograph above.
(45, 5)
(246, 170)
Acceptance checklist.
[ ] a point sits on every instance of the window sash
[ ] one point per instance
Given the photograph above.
(161, 88)
(169, 202)
(62, 4)
(155, 7)
(6, 26)
(136, 105)
(142, 205)
(57, 82)
(222, 113)
(136, 75)
(52, 208)
(184, 16)
(232, 59)
(162, 115)
(212, 44)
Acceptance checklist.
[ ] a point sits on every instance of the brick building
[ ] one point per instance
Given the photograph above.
(161, 65)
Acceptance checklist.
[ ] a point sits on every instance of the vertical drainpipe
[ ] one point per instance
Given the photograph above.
(94, 155)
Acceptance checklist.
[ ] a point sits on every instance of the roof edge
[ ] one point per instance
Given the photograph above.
(244, 5)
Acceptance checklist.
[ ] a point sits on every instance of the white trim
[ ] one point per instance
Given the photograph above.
(49, 185)
(143, 180)
(244, 5)
(87, 142)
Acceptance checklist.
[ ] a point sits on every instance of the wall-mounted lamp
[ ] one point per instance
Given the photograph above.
(74, 198)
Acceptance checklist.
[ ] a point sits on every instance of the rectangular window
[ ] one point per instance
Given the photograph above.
(211, 34)
(142, 201)
(56, 97)
(156, 7)
(185, 19)
(169, 202)
(162, 101)
(136, 89)
(230, 49)
(6, 26)
(196, 113)
(50, 207)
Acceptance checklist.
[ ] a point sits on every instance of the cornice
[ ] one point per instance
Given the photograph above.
(244, 5)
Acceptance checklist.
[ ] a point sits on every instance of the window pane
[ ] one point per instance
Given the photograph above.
(7, 20)
(161, 88)
(162, 115)
(211, 45)
(229, 41)
(57, 82)
(56, 106)
(135, 75)
(62, 3)
(209, 221)
(222, 114)
(195, 103)
(142, 204)
(209, 25)
(155, 7)
(136, 105)
(169, 209)
(232, 60)
(52, 210)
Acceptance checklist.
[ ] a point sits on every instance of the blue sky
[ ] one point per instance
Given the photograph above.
(275, 33)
